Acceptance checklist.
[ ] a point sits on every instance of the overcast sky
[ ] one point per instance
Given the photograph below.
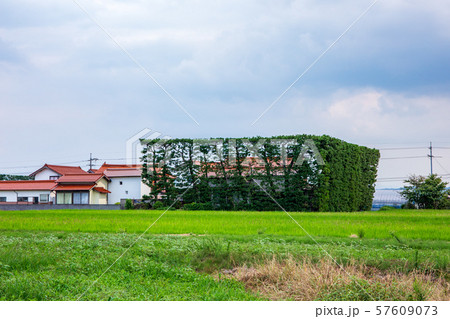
(67, 89)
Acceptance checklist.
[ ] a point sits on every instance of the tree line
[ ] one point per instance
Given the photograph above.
(296, 172)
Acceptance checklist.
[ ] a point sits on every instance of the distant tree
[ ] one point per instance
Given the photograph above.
(6, 177)
(426, 192)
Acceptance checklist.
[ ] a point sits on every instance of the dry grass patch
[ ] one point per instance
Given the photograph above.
(324, 280)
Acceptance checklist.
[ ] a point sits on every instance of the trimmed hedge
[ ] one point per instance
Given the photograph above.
(226, 179)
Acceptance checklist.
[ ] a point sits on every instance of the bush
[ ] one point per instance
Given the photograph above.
(384, 208)
(198, 206)
(426, 192)
(409, 206)
(158, 205)
(129, 204)
(142, 206)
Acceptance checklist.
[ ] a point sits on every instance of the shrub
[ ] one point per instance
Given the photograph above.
(426, 192)
(384, 208)
(129, 204)
(409, 206)
(198, 206)
(142, 206)
(158, 205)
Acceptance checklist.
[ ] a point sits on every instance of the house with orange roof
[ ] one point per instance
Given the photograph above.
(82, 189)
(53, 172)
(124, 181)
(27, 192)
(71, 185)
(56, 184)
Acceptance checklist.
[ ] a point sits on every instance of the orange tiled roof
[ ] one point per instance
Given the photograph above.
(101, 190)
(112, 166)
(81, 188)
(80, 178)
(26, 185)
(62, 170)
(74, 187)
(123, 172)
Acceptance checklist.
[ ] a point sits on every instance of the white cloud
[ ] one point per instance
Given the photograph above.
(225, 61)
(371, 115)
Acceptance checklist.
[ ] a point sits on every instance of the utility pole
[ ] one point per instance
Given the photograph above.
(431, 157)
(91, 160)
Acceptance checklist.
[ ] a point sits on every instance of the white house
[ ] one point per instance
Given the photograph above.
(27, 192)
(82, 189)
(125, 182)
(53, 172)
(39, 191)
(56, 184)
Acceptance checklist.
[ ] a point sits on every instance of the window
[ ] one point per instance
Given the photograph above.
(22, 199)
(2, 199)
(77, 198)
(81, 198)
(85, 198)
(43, 198)
(64, 198)
(54, 177)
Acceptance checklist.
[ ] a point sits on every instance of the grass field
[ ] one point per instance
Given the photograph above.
(427, 224)
(56, 255)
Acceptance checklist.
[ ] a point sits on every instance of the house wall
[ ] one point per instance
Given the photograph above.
(45, 175)
(93, 197)
(145, 189)
(96, 198)
(11, 196)
(102, 183)
(131, 188)
(45, 207)
(102, 199)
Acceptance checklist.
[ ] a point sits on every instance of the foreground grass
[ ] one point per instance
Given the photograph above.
(413, 224)
(62, 265)
(57, 255)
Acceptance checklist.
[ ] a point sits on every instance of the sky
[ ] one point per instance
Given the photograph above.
(81, 77)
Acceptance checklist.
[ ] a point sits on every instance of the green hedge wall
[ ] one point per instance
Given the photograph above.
(223, 179)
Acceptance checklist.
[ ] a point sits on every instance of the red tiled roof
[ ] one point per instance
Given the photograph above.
(62, 170)
(101, 190)
(110, 166)
(26, 185)
(80, 178)
(74, 187)
(123, 172)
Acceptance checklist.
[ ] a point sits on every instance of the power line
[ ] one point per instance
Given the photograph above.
(443, 167)
(401, 157)
(34, 166)
(402, 148)
(63, 163)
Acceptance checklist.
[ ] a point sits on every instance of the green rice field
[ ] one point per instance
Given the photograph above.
(215, 255)
(427, 224)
